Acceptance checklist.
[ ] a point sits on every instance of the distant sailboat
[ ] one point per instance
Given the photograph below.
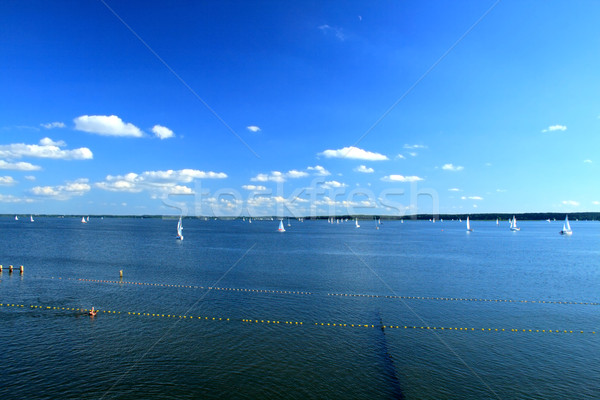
(281, 228)
(31, 218)
(16, 218)
(497, 223)
(83, 221)
(180, 229)
(88, 219)
(566, 230)
(249, 220)
(356, 222)
(513, 224)
(469, 225)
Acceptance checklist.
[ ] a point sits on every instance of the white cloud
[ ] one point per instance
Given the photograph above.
(364, 169)
(500, 190)
(353, 153)
(157, 182)
(9, 198)
(49, 142)
(555, 128)
(338, 32)
(162, 132)
(333, 184)
(19, 166)
(454, 190)
(412, 154)
(46, 149)
(471, 198)
(414, 146)
(296, 174)
(588, 161)
(51, 125)
(254, 187)
(401, 178)
(108, 125)
(571, 203)
(7, 181)
(63, 192)
(319, 171)
(400, 156)
(277, 176)
(253, 128)
(596, 203)
(450, 167)
(30, 177)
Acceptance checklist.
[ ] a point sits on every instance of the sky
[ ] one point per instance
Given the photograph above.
(232, 108)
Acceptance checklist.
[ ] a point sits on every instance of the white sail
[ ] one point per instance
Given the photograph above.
(513, 224)
(281, 228)
(497, 222)
(180, 229)
(16, 218)
(83, 221)
(566, 230)
(31, 218)
(469, 225)
(356, 222)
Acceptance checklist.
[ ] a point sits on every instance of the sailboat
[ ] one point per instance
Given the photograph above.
(566, 230)
(16, 217)
(469, 225)
(356, 222)
(497, 222)
(31, 218)
(83, 221)
(179, 229)
(281, 228)
(513, 224)
(88, 219)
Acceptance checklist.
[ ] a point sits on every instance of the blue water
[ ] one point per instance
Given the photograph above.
(59, 352)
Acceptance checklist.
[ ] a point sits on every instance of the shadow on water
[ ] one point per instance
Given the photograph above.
(389, 369)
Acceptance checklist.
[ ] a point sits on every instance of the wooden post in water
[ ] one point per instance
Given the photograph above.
(10, 268)
(121, 274)
(0, 267)
(21, 269)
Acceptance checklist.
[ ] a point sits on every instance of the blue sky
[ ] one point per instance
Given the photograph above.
(234, 108)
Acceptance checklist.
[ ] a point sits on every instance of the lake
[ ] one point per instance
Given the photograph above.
(413, 310)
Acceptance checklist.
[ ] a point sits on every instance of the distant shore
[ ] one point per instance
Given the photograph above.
(542, 216)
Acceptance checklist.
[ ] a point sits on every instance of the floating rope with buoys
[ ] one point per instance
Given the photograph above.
(299, 323)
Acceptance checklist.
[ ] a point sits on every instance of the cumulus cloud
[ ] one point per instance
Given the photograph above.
(570, 203)
(555, 128)
(354, 153)
(52, 125)
(364, 169)
(278, 176)
(19, 166)
(254, 187)
(46, 149)
(333, 184)
(319, 171)
(253, 128)
(157, 182)
(63, 192)
(107, 125)
(401, 178)
(297, 174)
(451, 167)
(162, 132)
(7, 181)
